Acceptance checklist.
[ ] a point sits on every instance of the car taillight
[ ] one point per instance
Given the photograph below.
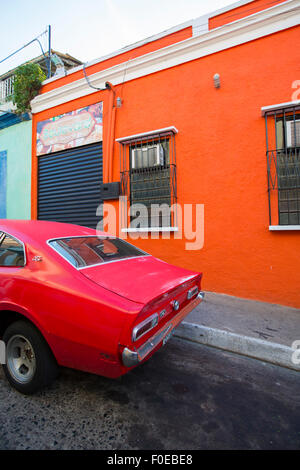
(145, 326)
(192, 292)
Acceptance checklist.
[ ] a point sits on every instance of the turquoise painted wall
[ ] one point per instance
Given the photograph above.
(16, 141)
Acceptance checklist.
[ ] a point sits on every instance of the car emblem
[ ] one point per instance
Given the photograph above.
(175, 304)
(162, 313)
(37, 258)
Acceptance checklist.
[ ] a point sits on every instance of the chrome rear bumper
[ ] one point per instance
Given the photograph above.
(132, 358)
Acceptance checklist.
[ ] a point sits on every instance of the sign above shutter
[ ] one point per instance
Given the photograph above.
(81, 127)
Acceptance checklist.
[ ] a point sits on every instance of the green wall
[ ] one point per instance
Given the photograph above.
(16, 141)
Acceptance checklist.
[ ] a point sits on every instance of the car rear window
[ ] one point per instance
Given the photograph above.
(82, 252)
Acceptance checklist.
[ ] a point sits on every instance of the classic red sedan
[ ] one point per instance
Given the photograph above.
(74, 297)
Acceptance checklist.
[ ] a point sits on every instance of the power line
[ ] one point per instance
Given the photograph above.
(47, 59)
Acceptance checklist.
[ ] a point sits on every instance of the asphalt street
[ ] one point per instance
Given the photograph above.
(186, 397)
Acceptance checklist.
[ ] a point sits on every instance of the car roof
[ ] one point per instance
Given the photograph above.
(41, 230)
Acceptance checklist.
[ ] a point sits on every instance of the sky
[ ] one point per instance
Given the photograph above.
(88, 29)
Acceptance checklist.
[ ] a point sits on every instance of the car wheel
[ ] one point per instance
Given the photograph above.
(30, 364)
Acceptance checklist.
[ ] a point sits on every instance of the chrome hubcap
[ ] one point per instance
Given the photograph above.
(21, 361)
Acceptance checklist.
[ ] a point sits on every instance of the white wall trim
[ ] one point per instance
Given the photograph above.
(280, 17)
(279, 106)
(232, 6)
(195, 23)
(200, 25)
(280, 228)
(125, 49)
(146, 134)
(149, 229)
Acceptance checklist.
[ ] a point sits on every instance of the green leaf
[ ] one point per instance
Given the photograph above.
(27, 83)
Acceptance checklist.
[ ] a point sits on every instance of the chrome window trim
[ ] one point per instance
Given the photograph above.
(112, 261)
(92, 265)
(19, 241)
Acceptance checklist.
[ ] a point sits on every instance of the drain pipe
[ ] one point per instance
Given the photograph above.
(111, 132)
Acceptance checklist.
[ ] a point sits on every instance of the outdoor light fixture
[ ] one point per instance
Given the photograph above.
(217, 81)
(119, 102)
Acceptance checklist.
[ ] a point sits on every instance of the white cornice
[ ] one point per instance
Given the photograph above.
(199, 26)
(230, 7)
(128, 48)
(263, 23)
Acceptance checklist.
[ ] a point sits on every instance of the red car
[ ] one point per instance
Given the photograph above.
(78, 298)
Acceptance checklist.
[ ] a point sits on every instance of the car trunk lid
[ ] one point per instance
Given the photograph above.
(139, 279)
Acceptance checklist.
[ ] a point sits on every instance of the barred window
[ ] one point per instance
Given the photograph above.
(283, 160)
(6, 87)
(148, 179)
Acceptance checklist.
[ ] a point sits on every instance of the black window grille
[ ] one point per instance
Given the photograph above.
(148, 177)
(283, 163)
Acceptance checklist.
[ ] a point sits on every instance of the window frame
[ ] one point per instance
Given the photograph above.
(283, 163)
(7, 87)
(289, 123)
(2, 238)
(285, 122)
(166, 138)
(79, 268)
(151, 171)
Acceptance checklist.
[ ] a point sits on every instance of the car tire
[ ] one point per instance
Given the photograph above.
(30, 364)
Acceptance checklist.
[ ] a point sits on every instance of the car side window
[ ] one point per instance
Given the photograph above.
(11, 252)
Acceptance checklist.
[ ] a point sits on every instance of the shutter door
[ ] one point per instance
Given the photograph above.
(69, 185)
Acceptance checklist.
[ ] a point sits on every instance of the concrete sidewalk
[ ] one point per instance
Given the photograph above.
(256, 329)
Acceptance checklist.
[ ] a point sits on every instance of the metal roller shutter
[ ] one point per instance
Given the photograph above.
(69, 185)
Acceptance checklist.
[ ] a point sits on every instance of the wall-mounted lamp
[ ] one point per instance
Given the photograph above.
(119, 102)
(217, 81)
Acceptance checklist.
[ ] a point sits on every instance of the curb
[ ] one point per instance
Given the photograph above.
(245, 345)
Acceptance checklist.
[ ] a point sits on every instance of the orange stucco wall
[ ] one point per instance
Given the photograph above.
(241, 12)
(221, 161)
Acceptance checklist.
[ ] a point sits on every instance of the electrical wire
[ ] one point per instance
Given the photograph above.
(28, 44)
(273, 2)
(88, 81)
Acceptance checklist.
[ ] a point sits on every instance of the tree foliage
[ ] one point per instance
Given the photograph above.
(28, 80)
